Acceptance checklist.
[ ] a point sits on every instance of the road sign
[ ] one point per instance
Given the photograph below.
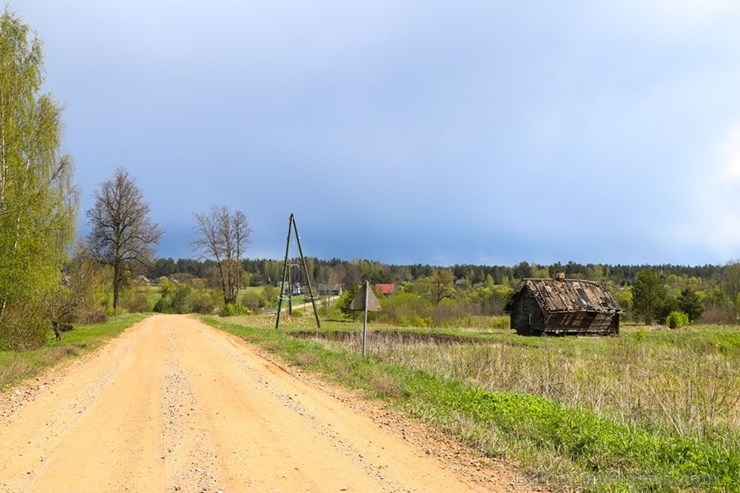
(365, 295)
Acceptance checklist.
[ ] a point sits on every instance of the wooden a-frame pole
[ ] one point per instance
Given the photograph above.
(293, 226)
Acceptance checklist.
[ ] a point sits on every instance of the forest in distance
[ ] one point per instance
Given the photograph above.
(347, 272)
(444, 295)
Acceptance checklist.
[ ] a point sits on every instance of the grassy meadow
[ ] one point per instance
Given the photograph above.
(651, 410)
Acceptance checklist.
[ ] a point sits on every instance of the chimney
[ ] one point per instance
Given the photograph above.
(561, 276)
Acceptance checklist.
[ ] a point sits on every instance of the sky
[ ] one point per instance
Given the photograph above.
(436, 132)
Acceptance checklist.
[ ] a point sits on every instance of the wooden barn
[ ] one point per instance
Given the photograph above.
(563, 307)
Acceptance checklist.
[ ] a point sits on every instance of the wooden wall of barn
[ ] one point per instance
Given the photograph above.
(528, 319)
(526, 316)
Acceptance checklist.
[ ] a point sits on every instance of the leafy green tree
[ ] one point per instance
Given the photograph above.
(345, 300)
(38, 204)
(522, 270)
(690, 303)
(122, 233)
(489, 281)
(648, 296)
(731, 280)
(624, 298)
(441, 285)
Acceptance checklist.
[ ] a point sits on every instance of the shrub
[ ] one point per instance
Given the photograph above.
(22, 328)
(231, 310)
(677, 319)
(228, 310)
(253, 300)
(204, 302)
(135, 303)
(407, 309)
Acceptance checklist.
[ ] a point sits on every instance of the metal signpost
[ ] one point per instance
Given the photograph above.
(365, 301)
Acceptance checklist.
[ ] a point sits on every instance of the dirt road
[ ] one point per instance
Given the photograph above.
(173, 405)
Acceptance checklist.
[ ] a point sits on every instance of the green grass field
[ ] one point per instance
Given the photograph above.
(651, 410)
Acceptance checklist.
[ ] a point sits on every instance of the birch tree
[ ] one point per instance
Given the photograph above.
(38, 203)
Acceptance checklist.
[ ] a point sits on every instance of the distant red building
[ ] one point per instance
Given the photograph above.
(385, 289)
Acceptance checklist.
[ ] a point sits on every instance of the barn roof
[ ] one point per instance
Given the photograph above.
(568, 295)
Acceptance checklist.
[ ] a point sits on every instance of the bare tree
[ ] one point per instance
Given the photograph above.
(222, 235)
(122, 233)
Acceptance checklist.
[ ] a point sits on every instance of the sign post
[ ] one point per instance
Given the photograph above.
(365, 301)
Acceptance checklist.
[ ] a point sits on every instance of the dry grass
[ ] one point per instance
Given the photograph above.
(687, 387)
(648, 411)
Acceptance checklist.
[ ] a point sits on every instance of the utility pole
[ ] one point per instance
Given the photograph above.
(292, 226)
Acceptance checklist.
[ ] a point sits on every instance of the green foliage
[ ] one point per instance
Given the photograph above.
(253, 300)
(677, 319)
(489, 299)
(345, 300)
(690, 303)
(23, 327)
(204, 301)
(230, 310)
(624, 456)
(37, 199)
(270, 294)
(624, 299)
(699, 291)
(177, 298)
(648, 296)
(731, 280)
(407, 309)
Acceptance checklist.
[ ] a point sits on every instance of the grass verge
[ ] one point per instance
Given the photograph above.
(16, 366)
(567, 447)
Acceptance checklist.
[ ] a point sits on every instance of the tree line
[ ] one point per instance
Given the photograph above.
(646, 293)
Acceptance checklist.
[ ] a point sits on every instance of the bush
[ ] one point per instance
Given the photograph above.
(677, 319)
(253, 300)
(135, 303)
(23, 328)
(204, 302)
(231, 310)
(407, 309)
